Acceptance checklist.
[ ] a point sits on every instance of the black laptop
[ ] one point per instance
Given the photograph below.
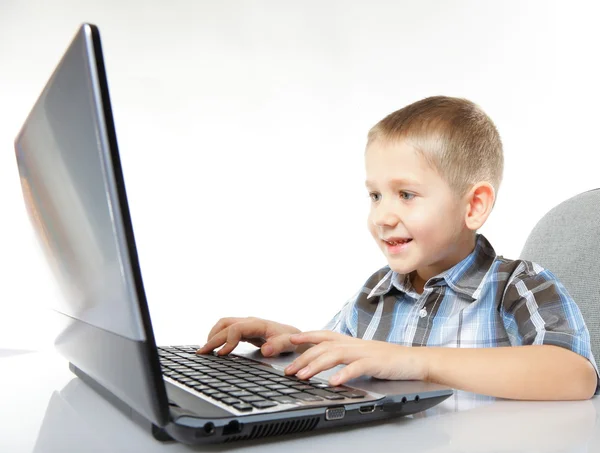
(75, 194)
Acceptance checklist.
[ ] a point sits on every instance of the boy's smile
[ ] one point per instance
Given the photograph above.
(416, 218)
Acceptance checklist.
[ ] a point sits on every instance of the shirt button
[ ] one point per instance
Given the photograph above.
(423, 313)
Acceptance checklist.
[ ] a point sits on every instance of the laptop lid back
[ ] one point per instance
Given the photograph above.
(75, 195)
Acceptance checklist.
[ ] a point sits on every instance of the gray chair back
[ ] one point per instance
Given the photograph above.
(567, 242)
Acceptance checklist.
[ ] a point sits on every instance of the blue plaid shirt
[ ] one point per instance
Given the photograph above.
(483, 301)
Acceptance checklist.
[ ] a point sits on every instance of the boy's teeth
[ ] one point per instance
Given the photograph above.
(403, 241)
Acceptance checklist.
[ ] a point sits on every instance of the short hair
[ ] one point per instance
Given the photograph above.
(454, 135)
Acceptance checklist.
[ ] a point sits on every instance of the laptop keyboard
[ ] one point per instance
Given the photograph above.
(243, 383)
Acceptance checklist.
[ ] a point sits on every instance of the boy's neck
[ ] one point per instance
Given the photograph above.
(466, 246)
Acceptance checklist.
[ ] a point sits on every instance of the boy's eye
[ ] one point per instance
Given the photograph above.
(374, 196)
(406, 195)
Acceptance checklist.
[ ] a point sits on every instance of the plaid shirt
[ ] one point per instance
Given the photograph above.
(483, 301)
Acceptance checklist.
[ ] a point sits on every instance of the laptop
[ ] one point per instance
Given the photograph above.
(74, 190)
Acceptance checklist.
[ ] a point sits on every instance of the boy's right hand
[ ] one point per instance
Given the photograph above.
(271, 337)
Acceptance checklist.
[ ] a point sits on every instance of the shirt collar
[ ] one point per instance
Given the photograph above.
(465, 277)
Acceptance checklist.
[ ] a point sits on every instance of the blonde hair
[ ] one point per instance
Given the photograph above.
(454, 135)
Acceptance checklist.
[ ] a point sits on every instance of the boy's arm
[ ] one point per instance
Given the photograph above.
(522, 372)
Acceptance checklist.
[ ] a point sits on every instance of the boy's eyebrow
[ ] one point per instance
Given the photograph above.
(397, 182)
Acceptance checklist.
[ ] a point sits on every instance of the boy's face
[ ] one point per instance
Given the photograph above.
(415, 217)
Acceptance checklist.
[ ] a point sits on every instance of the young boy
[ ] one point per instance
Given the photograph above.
(433, 171)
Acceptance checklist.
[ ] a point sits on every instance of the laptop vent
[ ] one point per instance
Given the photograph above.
(278, 428)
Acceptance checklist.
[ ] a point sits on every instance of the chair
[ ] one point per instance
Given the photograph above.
(566, 241)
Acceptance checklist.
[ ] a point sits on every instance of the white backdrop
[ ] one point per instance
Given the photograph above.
(242, 127)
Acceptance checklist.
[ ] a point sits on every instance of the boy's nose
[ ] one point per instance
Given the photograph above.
(387, 218)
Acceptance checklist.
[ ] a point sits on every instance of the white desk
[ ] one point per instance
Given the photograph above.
(44, 408)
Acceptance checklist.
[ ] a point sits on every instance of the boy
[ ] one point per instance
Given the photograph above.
(433, 171)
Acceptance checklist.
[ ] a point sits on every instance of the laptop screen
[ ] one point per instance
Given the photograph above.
(74, 192)
(65, 168)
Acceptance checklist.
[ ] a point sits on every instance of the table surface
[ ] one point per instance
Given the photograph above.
(44, 408)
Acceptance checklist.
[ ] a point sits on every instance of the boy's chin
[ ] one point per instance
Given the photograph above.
(400, 268)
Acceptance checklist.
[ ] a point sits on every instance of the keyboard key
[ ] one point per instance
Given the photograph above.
(336, 389)
(254, 378)
(275, 386)
(219, 375)
(230, 400)
(284, 399)
(269, 394)
(235, 381)
(195, 374)
(325, 394)
(306, 397)
(221, 385)
(188, 381)
(263, 404)
(219, 396)
(287, 391)
(252, 399)
(280, 379)
(247, 385)
(257, 389)
(210, 381)
(244, 407)
(240, 393)
(229, 389)
(353, 394)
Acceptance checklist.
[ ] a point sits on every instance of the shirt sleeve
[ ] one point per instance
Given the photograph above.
(345, 321)
(537, 309)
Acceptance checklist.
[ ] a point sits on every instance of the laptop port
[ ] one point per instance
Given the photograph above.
(209, 428)
(366, 409)
(335, 413)
(233, 427)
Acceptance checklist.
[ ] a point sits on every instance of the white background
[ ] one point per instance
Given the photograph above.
(242, 127)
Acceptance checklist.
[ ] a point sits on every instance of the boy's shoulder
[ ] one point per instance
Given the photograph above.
(524, 280)
(515, 271)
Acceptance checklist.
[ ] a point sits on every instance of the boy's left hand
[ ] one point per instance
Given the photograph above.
(363, 357)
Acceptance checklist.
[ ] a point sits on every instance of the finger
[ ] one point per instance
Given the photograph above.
(352, 370)
(316, 336)
(325, 361)
(221, 324)
(306, 358)
(234, 335)
(217, 340)
(276, 345)
(244, 330)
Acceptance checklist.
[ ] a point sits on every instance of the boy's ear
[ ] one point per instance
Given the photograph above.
(480, 201)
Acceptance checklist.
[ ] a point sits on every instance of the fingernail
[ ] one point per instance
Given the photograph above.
(303, 372)
(267, 350)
